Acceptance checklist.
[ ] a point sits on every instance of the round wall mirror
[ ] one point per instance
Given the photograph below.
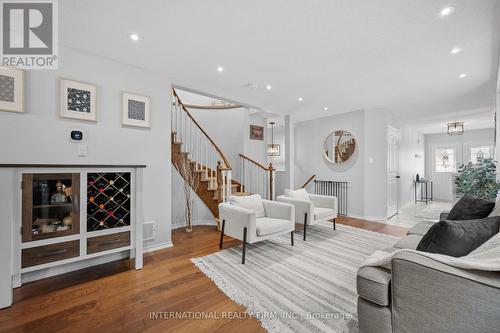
(339, 146)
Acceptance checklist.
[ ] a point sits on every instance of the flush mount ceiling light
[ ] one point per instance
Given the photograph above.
(252, 85)
(447, 11)
(269, 87)
(461, 76)
(300, 99)
(220, 69)
(456, 50)
(134, 37)
(325, 108)
(456, 128)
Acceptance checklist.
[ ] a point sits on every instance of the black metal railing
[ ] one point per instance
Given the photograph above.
(334, 189)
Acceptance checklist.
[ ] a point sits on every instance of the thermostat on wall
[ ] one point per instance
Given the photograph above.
(76, 135)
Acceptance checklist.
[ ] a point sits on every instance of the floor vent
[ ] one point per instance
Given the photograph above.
(149, 230)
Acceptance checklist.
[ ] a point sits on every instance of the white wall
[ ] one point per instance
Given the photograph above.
(365, 171)
(40, 136)
(411, 162)
(279, 138)
(256, 149)
(309, 137)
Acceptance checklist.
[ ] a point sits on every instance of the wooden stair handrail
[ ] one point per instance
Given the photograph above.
(270, 168)
(212, 107)
(308, 181)
(227, 165)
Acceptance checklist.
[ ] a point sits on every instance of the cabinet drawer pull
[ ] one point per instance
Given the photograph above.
(52, 253)
(116, 241)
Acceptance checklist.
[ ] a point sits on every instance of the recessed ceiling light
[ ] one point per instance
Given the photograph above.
(325, 108)
(134, 37)
(447, 11)
(300, 99)
(456, 50)
(220, 69)
(461, 76)
(268, 87)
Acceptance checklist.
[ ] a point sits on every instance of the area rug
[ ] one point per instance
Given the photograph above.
(310, 287)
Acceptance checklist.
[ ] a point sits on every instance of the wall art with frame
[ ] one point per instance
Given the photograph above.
(11, 90)
(78, 100)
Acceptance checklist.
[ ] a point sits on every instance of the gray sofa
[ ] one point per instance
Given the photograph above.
(418, 294)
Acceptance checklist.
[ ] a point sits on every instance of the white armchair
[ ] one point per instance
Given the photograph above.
(311, 208)
(252, 219)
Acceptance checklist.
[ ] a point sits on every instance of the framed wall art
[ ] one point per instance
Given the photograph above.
(11, 89)
(256, 132)
(136, 110)
(78, 100)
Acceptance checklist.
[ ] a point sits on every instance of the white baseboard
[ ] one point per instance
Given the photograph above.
(182, 224)
(158, 247)
(56, 270)
(368, 218)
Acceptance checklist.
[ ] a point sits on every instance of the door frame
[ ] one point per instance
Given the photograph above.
(394, 131)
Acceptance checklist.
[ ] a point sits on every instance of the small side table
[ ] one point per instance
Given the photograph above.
(425, 195)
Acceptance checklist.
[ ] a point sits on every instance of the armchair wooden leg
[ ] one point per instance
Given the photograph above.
(291, 237)
(334, 222)
(222, 234)
(305, 226)
(244, 245)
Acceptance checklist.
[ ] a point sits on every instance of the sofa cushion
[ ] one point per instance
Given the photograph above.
(250, 202)
(321, 213)
(468, 208)
(373, 284)
(459, 238)
(421, 228)
(267, 225)
(297, 194)
(408, 242)
(373, 318)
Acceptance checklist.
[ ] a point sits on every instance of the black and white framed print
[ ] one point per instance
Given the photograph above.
(11, 89)
(78, 100)
(136, 110)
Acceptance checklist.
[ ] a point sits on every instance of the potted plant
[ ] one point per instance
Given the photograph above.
(478, 179)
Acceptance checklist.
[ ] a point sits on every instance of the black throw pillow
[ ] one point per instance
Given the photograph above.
(468, 208)
(458, 238)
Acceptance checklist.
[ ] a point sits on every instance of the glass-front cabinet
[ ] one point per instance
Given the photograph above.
(50, 206)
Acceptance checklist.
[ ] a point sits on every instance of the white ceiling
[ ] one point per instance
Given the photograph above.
(438, 123)
(344, 54)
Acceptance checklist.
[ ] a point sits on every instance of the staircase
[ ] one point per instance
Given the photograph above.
(193, 151)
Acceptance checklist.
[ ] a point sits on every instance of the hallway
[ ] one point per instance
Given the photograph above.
(411, 215)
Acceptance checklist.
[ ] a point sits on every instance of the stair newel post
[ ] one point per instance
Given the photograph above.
(229, 183)
(220, 183)
(271, 181)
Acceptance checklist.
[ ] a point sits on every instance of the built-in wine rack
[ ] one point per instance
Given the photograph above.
(108, 200)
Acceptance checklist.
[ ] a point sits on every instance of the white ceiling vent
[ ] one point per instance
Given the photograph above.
(149, 230)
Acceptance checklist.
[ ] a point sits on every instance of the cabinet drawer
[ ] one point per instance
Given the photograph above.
(49, 253)
(108, 242)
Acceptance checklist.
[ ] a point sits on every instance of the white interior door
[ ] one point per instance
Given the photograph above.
(392, 171)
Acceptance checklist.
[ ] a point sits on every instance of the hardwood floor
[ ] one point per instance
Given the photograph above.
(116, 298)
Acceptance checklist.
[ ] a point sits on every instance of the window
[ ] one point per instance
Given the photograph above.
(479, 152)
(445, 160)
